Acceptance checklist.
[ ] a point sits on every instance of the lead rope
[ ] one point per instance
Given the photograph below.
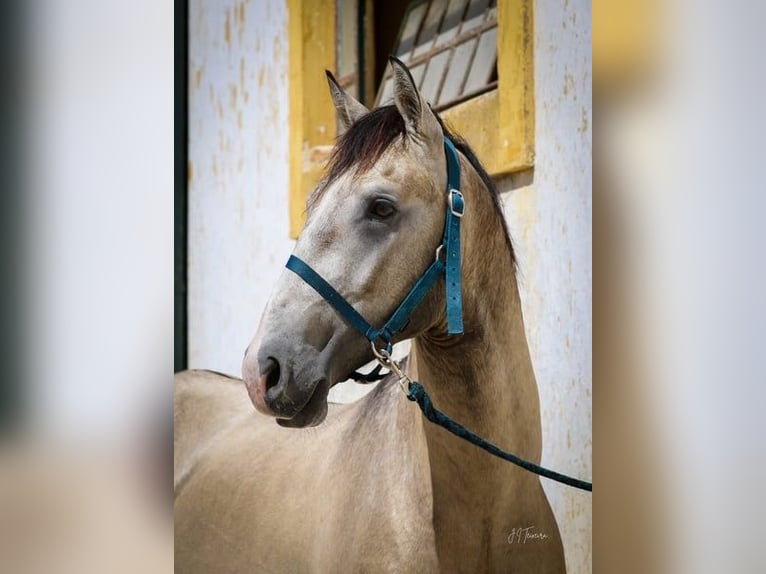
(415, 392)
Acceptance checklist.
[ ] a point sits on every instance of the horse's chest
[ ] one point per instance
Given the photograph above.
(381, 529)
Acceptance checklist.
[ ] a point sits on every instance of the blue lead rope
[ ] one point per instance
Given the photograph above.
(418, 394)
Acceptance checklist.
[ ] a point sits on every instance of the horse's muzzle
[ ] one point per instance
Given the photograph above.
(275, 392)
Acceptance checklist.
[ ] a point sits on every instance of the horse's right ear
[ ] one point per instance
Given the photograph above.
(349, 109)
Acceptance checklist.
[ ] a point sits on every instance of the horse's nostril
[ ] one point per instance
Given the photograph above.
(272, 372)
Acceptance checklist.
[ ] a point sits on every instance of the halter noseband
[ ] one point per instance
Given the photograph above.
(451, 268)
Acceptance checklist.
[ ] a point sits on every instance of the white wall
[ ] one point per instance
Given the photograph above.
(238, 172)
(238, 238)
(551, 222)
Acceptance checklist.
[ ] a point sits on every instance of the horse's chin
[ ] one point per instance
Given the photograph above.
(313, 413)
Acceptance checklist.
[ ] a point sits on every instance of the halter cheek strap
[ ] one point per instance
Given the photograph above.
(451, 268)
(451, 241)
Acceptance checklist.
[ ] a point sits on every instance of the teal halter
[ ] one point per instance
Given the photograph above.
(451, 268)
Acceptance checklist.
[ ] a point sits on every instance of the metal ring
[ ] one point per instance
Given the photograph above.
(384, 358)
(382, 355)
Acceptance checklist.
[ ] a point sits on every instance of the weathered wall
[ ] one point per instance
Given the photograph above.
(238, 172)
(238, 214)
(550, 221)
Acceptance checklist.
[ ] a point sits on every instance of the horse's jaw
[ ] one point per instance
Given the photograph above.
(314, 411)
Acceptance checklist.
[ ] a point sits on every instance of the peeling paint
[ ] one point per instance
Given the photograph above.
(236, 216)
(551, 225)
(585, 124)
(569, 84)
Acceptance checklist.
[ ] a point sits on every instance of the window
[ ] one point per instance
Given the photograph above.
(354, 36)
(471, 58)
(451, 49)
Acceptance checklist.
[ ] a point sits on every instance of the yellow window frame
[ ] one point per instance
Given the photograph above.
(499, 125)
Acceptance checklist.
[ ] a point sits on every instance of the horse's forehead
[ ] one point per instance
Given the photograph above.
(392, 171)
(396, 171)
(399, 170)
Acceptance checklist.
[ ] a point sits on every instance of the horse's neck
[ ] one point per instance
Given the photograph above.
(483, 380)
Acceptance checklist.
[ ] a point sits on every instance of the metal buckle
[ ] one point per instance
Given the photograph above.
(451, 204)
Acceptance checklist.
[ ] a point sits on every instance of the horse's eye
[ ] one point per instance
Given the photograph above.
(382, 209)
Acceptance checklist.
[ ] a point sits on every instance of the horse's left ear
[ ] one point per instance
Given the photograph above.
(349, 109)
(420, 121)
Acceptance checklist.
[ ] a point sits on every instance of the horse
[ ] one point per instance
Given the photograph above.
(372, 486)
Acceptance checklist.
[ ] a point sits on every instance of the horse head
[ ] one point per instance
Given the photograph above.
(373, 227)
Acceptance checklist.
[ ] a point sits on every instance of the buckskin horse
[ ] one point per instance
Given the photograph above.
(372, 486)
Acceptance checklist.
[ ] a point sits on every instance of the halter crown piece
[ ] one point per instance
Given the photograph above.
(450, 267)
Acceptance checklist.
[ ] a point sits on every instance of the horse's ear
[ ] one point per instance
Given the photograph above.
(349, 109)
(420, 121)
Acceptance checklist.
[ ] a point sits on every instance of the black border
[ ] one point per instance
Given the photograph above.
(181, 182)
(13, 145)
